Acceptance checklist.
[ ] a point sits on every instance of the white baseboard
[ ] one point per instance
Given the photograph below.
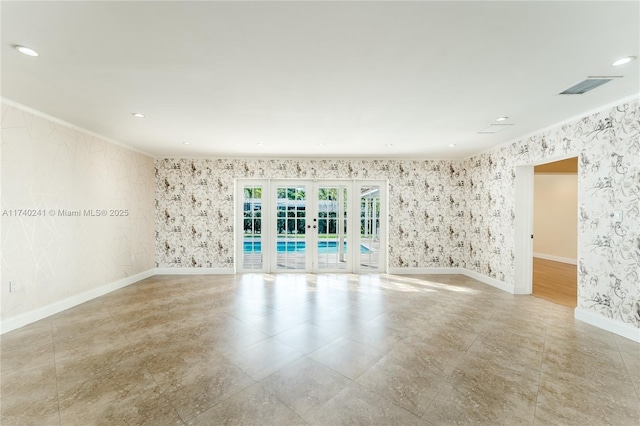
(21, 320)
(556, 258)
(194, 271)
(9, 324)
(425, 271)
(462, 271)
(488, 280)
(616, 327)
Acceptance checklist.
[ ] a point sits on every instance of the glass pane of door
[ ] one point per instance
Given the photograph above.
(369, 227)
(332, 241)
(252, 254)
(291, 249)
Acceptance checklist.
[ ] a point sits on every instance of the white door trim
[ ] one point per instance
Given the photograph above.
(239, 223)
(349, 258)
(269, 217)
(383, 231)
(272, 237)
(524, 186)
(523, 230)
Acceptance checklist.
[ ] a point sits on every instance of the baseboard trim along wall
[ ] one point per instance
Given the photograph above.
(194, 271)
(491, 281)
(18, 321)
(616, 327)
(425, 271)
(556, 258)
(21, 320)
(462, 271)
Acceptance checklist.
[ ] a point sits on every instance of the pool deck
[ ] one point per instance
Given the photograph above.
(291, 261)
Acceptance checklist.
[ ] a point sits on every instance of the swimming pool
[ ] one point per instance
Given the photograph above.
(298, 247)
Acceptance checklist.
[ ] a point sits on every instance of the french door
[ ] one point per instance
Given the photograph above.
(311, 226)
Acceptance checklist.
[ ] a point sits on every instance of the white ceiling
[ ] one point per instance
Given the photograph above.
(354, 76)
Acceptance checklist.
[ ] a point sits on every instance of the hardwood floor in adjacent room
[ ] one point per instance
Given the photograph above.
(556, 282)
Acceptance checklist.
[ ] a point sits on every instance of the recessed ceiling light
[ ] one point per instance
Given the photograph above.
(321, 144)
(186, 143)
(501, 118)
(260, 144)
(623, 61)
(388, 145)
(25, 50)
(452, 145)
(137, 115)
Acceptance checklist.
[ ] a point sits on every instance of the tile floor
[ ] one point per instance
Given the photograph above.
(317, 349)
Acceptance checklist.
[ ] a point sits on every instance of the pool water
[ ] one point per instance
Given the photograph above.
(298, 247)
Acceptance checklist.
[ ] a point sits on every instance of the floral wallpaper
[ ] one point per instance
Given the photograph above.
(194, 206)
(443, 213)
(609, 181)
(608, 144)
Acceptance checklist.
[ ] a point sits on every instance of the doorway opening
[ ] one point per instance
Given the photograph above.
(311, 226)
(555, 230)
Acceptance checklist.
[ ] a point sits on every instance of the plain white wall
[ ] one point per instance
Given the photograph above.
(48, 167)
(555, 215)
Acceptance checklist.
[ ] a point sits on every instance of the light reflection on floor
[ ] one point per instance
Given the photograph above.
(326, 349)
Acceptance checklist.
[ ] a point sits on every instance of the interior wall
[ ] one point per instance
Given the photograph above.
(49, 168)
(555, 215)
(442, 213)
(608, 144)
(195, 206)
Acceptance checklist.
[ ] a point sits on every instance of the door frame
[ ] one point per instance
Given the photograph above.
(271, 237)
(349, 234)
(383, 231)
(269, 216)
(238, 237)
(524, 187)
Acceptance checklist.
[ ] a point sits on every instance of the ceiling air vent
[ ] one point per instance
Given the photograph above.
(587, 85)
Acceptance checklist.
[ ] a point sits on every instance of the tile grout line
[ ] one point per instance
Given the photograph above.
(278, 399)
(419, 416)
(317, 408)
(55, 371)
(626, 366)
(162, 392)
(352, 381)
(455, 364)
(223, 400)
(230, 360)
(545, 314)
(544, 348)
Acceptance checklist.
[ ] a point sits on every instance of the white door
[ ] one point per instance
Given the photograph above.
(291, 226)
(332, 239)
(371, 205)
(252, 214)
(311, 226)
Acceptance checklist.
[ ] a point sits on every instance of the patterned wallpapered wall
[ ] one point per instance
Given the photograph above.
(194, 206)
(608, 144)
(48, 168)
(442, 213)
(609, 181)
